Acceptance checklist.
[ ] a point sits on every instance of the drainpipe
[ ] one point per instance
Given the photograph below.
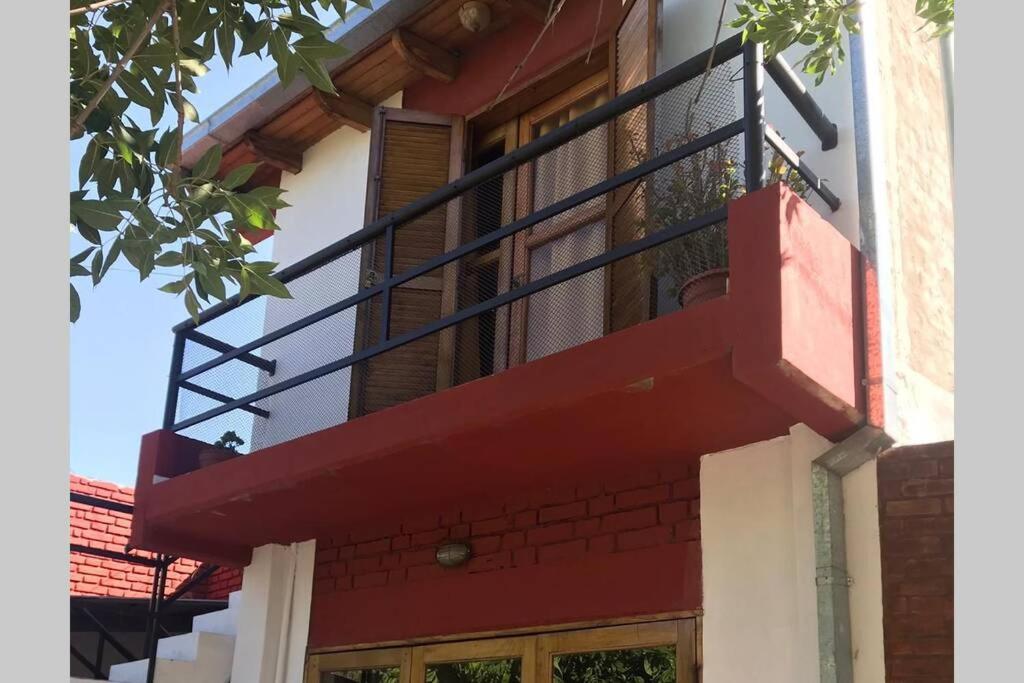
(835, 650)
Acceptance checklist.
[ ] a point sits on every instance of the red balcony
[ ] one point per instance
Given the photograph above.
(783, 346)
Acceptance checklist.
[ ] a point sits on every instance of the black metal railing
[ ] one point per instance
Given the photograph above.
(228, 367)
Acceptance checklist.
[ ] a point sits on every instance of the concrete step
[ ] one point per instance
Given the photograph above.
(166, 671)
(224, 621)
(189, 658)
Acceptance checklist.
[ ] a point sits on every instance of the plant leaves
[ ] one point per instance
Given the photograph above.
(208, 163)
(76, 305)
(240, 175)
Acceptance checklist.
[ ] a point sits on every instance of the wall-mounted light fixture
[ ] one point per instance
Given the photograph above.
(453, 554)
(475, 16)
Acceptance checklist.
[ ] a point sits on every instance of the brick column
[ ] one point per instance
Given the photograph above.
(915, 505)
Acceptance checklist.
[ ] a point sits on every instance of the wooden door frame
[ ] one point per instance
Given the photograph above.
(536, 649)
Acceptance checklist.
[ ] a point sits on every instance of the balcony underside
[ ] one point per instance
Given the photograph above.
(784, 346)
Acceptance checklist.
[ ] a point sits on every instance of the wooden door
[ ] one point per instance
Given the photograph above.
(630, 283)
(571, 312)
(411, 154)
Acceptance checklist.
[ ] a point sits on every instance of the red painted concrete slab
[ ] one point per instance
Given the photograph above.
(781, 348)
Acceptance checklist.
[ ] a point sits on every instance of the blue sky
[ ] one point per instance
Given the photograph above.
(121, 346)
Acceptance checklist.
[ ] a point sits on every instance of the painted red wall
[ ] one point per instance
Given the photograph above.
(573, 553)
(486, 66)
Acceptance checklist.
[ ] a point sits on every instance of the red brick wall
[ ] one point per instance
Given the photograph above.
(643, 534)
(108, 530)
(915, 501)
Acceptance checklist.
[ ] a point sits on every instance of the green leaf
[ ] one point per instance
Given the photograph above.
(208, 163)
(169, 259)
(240, 175)
(319, 48)
(134, 89)
(263, 283)
(364, 3)
(76, 305)
(301, 24)
(191, 305)
(93, 152)
(258, 39)
(194, 67)
(99, 214)
(176, 287)
(287, 64)
(190, 111)
(82, 255)
(96, 267)
(167, 149)
(315, 72)
(226, 41)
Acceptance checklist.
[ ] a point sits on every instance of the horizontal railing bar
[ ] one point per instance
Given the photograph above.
(270, 366)
(615, 254)
(794, 160)
(691, 68)
(802, 100)
(223, 398)
(93, 501)
(113, 555)
(603, 187)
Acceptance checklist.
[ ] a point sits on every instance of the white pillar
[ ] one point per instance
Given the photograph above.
(273, 618)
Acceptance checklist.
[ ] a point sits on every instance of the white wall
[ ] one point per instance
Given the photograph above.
(758, 563)
(688, 28)
(273, 616)
(328, 200)
(757, 544)
(864, 566)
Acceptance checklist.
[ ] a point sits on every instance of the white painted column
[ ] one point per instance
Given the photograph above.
(864, 567)
(757, 544)
(273, 618)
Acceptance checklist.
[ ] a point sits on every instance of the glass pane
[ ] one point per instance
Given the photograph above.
(490, 671)
(572, 312)
(386, 674)
(642, 665)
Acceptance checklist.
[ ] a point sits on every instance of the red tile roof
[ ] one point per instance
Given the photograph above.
(108, 530)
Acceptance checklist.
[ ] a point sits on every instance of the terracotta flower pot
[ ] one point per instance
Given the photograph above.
(709, 285)
(212, 456)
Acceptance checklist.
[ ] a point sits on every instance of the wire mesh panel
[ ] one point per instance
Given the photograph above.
(609, 228)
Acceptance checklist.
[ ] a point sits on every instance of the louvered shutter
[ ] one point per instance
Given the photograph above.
(411, 154)
(631, 141)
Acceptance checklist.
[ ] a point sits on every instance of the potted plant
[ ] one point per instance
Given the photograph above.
(224, 448)
(696, 266)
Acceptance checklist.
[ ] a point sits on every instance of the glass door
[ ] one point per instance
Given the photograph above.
(646, 652)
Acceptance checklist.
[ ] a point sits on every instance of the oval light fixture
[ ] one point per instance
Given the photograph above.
(452, 554)
(475, 16)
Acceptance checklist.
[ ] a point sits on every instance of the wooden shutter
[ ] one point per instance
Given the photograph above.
(631, 62)
(411, 154)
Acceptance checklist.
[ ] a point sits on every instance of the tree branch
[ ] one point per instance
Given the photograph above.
(176, 37)
(711, 55)
(94, 6)
(78, 125)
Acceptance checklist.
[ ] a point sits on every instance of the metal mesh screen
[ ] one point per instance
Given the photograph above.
(491, 336)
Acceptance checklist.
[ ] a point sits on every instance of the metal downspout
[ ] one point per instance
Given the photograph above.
(835, 650)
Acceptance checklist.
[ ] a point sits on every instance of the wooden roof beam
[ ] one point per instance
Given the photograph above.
(277, 153)
(349, 110)
(425, 57)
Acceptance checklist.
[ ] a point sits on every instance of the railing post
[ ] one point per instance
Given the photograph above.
(173, 383)
(389, 267)
(753, 114)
